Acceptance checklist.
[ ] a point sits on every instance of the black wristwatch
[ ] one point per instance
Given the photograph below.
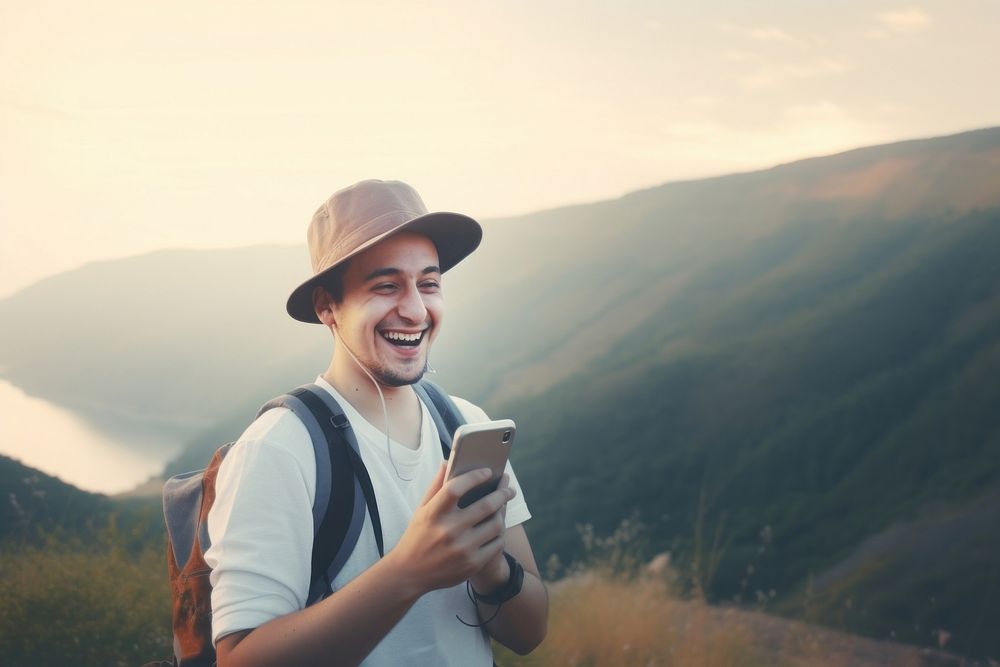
(509, 589)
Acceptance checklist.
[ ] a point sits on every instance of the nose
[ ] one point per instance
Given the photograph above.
(411, 305)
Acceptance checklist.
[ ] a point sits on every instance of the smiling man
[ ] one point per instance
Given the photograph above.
(451, 577)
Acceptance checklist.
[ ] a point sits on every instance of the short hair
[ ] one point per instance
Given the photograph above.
(333, 282)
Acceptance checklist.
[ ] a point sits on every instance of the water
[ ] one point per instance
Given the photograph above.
(61, 444)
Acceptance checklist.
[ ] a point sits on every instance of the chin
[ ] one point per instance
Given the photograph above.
(399, 379)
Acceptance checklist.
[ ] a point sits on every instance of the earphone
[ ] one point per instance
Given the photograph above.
(381, 398)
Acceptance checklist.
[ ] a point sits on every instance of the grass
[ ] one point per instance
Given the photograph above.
(105, 604)
(600, 620)
(65, 603)
(612, 609)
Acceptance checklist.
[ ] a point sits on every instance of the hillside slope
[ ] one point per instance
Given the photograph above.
(37, 507)
(795, 360)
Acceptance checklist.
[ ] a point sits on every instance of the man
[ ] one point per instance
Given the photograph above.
(378, 259)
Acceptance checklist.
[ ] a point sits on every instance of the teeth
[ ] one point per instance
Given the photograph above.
(395, 335)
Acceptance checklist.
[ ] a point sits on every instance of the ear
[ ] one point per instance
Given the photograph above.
(323, 305)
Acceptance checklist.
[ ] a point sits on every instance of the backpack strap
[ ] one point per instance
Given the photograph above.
(321, 450)
(338, 428)
(343, 487)
(444, 412)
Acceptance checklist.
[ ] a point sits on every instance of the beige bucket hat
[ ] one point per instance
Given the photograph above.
(357, 217)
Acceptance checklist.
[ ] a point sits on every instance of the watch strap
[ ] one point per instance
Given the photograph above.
(509, 589)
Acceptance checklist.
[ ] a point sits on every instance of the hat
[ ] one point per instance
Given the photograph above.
(357, 217)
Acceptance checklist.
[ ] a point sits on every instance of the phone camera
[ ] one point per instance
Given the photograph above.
(506, 436)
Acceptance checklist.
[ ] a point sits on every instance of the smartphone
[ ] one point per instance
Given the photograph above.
(482, 445)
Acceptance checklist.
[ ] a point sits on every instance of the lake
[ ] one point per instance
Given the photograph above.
(60, 443)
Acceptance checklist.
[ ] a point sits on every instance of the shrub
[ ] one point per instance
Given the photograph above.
(65, 603)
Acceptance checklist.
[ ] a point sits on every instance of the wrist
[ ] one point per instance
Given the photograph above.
(397, 575)
(509, 589)
(492, 577)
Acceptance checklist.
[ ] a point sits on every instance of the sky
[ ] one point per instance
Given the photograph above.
(127, 127)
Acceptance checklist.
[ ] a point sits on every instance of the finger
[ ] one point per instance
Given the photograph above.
(490, 550)
(505, 483)
(482, 543)
(487, 505)
(435, 485)
(481, 555)
(456, 487)
(486, 530)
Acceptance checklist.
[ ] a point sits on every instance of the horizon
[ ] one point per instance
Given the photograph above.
(7, 293)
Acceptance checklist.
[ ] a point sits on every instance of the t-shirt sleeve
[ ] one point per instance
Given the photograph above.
(261, 525)
(517, 509)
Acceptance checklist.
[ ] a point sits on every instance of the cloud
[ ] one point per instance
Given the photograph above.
(902, 21)
(782, 57)
(776, 74)
(763, 33)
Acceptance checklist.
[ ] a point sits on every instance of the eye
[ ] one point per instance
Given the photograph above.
(384, 287)
(430, 284)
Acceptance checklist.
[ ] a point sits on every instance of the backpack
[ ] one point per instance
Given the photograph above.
(344, 493)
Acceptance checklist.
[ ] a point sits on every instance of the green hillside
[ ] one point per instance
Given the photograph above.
(83, 577)
(817, 368)
(567, 284)
(790, 375)
(824, 402)
(38, 508)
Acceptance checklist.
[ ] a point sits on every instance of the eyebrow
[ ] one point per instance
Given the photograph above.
(392, 271)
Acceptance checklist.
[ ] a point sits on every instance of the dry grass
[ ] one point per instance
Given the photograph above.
(597, 619)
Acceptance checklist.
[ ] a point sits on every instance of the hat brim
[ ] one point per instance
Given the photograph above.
(454, 235)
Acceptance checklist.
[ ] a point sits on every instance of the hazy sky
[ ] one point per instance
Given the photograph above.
(130, 126)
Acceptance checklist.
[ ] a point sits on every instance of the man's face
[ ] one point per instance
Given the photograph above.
(392, 307)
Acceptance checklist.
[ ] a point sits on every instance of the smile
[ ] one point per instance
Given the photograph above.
(403, 339)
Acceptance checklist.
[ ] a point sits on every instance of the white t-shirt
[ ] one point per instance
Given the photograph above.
(261, 530)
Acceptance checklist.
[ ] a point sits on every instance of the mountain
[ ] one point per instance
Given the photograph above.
(166, 341)
(789, 375)
(819, 397)
(37, 507)
(811, 357)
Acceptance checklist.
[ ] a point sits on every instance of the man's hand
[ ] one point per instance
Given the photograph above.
(496, 572)
(444, 545)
